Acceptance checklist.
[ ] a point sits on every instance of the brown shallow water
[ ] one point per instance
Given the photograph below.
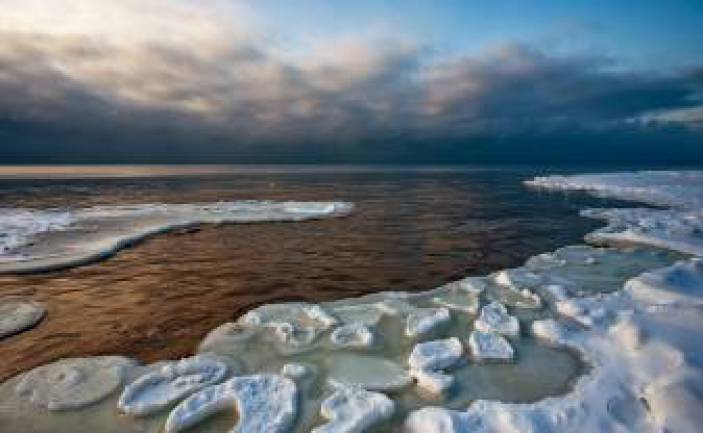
(411, 230)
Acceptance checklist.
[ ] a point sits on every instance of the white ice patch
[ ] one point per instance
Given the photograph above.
(74, 383)
(550, 331)
(18, 226)
(428, 359)
(423, 321)
(487, 346)
(681, 283)
(264, 403)
(679, 228)
(355, 336)
(17, 316)
(435, 355)
(32, 240)
(494, 317)
(354, 410)
(157, 390)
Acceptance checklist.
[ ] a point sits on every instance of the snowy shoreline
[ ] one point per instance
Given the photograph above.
(393, 361)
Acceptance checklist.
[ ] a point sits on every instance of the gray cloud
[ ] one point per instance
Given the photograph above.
(224, 89)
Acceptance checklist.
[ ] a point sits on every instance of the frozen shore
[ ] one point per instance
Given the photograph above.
(34, 240)
(583, 339)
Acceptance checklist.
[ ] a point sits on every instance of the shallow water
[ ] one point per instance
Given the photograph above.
(411, 230)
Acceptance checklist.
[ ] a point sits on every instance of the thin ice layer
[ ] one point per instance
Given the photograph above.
(35, 240)
(18, 315)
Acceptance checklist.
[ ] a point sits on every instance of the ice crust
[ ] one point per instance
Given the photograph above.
(354, 410)
(19, 315)
(157, 390)
(36, 240)
(633, 315)
(264, 402)
(355, 335)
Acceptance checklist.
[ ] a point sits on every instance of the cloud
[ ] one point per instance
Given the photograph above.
(210, 72)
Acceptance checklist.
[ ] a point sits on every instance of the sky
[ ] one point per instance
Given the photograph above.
(313, 81)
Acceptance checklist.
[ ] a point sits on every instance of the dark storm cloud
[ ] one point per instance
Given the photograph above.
(107, 95)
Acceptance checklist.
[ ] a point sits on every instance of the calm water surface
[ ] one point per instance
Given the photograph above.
(412, 229)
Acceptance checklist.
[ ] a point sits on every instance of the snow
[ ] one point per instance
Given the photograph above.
(494, 318)
(679, 228)
(37, 239)
(297, 371)
(19, 315)
(423, 321)
(355, 335)
(354, 410)
(487, 346)
(159, 389)
(681, 283)
(264, 403)
(73, 383)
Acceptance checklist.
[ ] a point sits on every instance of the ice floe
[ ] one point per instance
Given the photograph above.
(494, 317)
(423, 321)
(427, 360)
(487, 346)
(264, 402)
(19, 315)
(74, 383)
(157, 390)
(351, 409)
(355, 335)
(36, 240)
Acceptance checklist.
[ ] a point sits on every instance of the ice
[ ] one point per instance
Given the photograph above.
(435, 420)
(37, 240)
(73, 383)
(19, 315)
(18, 226)
(264, 403)
(157, 390)
(435, 355)
(487, 346)
(354, 410)
(366, 314)
(494, 317)
(295, 326)
(427, 359)
(679, 228)
(369, 372)
(354, 335)
(680, 283)
(433, 382)
(227, 334)
(457, 298)
(423, 321)
(297, 371)
(550, 331)
(680, 189)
